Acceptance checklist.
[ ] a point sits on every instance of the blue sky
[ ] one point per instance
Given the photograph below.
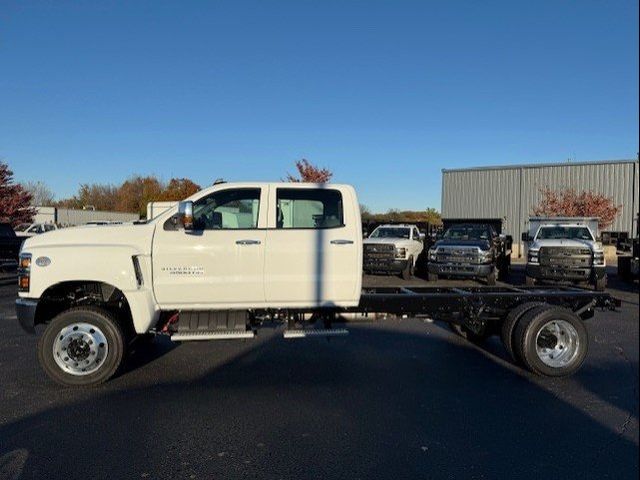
(385, 94)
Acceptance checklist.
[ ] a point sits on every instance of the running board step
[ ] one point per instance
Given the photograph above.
(217, 335)
(316, 332)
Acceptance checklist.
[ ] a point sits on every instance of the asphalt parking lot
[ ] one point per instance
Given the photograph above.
(401, 398)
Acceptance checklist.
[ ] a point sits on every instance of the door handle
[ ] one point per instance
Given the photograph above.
(248, 242)
(342, 242)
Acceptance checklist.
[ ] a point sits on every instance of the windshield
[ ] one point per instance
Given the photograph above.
(22, 227)
(388, 232)
(468, 232)
(564, 233)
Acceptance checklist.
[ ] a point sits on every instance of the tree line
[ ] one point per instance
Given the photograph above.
(17, 201)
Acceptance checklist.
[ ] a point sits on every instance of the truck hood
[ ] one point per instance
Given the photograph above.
(136, 236)
(481, 244)
(566, 243)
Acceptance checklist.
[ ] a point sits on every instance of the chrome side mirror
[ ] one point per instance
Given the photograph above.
(185, 214)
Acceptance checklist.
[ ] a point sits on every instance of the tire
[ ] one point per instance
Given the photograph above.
(432, 277)
(491, 278)
(530, 281)
(467, 334)
(504, 273)
(82, 328)
(624, 268)
(407, 273)
(600, 284)
(563, 350)
(509, 324)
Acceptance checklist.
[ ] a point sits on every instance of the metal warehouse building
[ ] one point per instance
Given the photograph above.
(511, 192)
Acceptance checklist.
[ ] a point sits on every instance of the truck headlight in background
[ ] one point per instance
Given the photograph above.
(401, 252)
(486, 257)
(24, 272)
(533, 256)
(433, 255)
(598, 258)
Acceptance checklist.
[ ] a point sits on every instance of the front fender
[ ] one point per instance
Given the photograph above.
(110, 264)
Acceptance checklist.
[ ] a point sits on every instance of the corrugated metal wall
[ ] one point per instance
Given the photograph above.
(512, 192)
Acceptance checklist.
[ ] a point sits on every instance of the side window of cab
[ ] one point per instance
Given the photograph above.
(308, 208)
(231, 209)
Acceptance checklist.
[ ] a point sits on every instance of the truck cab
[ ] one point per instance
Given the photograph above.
(228, 250)
(564, 250)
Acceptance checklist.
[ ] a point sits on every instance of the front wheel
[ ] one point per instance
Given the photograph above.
(82, 346)
(407, 273)
(600, 284)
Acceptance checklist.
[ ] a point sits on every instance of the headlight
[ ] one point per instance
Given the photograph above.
(401, 252)
(598, 258)
(486, 256)
(24, 272)
(533, 256)
(433, 255)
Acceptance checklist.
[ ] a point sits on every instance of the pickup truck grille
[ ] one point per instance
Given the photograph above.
(379, 251)
(463, 255)
(569, 257)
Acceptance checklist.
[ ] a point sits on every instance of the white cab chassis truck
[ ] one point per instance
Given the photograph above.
(565, 249)
(234, 255)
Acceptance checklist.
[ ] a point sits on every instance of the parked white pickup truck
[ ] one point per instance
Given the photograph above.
(234, 255)
(31, 229)
(393, 249)
(565, 249)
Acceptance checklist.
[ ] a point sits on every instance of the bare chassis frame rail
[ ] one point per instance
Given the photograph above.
(476, 307)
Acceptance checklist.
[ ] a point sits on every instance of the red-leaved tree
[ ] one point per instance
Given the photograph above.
(310, 173)
(15, 201)
(569, 203)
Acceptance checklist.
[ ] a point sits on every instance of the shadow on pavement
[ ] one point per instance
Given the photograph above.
(377, 409)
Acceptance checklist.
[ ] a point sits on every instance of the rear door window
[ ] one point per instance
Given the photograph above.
(308, 208)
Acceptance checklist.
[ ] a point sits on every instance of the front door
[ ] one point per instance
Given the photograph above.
(219, 264)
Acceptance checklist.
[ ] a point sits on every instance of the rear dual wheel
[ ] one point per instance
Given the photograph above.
(550, 341)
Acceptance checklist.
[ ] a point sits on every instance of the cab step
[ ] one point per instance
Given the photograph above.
(315, 332)
(186, 336)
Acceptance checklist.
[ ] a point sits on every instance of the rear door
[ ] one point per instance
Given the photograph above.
(220, 264)
(314, 250)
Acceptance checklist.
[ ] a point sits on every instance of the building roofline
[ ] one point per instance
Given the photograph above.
(540, 165)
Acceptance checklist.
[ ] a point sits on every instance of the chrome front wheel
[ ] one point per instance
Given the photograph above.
(80, 348)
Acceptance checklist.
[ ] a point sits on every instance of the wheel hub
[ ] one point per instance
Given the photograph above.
(80, 348)
(557, 343)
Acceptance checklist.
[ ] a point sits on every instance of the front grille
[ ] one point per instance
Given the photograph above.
(464, 255)
(568, 257)
(378, 252)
